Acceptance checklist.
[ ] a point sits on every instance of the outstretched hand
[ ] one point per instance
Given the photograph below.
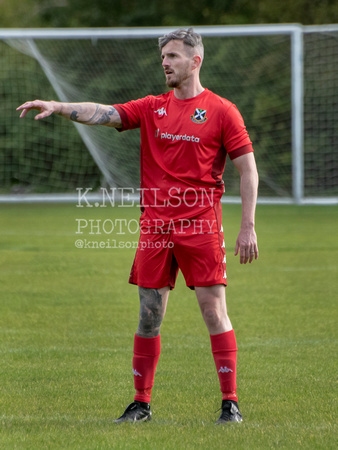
(45, 108)
(246, 246)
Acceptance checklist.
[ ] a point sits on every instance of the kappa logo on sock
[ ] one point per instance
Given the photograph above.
(224, 369)
(135, 372)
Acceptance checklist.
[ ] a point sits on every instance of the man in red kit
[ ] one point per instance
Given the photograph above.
(186, 135)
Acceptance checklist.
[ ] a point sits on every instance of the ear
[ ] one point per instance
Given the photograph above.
(197, 61)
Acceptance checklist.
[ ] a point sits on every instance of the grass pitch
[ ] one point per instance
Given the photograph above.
(68, 316)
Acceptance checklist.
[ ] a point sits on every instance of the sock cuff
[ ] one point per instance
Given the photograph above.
(143, 398)
(147, 346)
(223, 341)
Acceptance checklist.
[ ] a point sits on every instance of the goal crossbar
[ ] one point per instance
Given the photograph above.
(151, 32)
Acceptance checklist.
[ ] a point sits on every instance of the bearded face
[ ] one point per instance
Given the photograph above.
(177, 63)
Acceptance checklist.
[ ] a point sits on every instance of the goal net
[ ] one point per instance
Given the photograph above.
(253, 70)
(321, 112)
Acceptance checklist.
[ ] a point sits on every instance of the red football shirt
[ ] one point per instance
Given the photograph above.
(184, 145)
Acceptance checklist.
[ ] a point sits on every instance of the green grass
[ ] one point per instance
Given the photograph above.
(68, 316)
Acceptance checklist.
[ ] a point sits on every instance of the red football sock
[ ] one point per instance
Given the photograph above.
(146, 354)
(224, 350)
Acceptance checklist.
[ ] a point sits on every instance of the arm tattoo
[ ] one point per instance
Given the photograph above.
(151, 312)
(74, 116)
(101, 117)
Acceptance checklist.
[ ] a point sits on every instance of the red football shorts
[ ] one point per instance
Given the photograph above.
(195, 245)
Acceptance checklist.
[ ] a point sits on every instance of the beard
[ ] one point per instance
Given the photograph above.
(173, 83)
(176, 80)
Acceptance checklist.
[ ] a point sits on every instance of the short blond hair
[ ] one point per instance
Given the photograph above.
(189, 38)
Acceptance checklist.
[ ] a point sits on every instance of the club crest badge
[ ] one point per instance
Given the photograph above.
(199, 116)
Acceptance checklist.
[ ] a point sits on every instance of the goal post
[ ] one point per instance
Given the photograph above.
(275, 74)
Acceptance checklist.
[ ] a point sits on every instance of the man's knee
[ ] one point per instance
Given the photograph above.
(152, 310)
(212, 315)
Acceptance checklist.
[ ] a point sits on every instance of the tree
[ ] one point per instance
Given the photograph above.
(131, 13)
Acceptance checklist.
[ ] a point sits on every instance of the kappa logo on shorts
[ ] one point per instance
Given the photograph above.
(199, 116)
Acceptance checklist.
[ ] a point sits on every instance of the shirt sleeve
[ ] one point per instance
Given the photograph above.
(131, 113)
(236, 139)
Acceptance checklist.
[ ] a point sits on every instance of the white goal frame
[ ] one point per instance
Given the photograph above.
(295, 31)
